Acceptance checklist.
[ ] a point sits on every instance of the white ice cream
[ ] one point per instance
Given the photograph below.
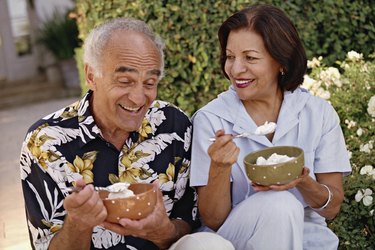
(273, 159)
(266, 128)
(120, 190)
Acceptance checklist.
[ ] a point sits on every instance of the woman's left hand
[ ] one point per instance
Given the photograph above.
(290, 185)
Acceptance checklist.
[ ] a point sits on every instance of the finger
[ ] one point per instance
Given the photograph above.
(77, 199)
(114, 227)
(85, 194)
(80, 183)
(219, 132)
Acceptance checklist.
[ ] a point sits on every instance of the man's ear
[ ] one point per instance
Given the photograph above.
(89, 75)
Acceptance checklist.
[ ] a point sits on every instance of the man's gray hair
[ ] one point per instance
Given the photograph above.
(99, 36)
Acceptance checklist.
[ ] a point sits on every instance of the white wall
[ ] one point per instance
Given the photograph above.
(46, 8)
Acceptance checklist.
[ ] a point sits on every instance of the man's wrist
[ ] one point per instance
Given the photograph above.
(174, 230)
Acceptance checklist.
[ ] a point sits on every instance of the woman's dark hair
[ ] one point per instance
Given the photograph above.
(280, 39)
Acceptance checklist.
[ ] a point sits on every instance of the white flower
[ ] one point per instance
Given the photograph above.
(323, 93)
(314, 63)
(308, 82)
(350, 123)
(367, 169)
(365, 196)
(331, 76)
(366, 147)
(359, 132)
(371, 106)
(350, 154)
(371, 212)
(354, 56)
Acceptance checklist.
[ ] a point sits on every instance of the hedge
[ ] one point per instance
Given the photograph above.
(329, 28)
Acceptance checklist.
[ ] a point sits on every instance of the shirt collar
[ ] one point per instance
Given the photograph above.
(229, 107)
(86, 123)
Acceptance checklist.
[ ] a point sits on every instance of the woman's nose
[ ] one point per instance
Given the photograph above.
(238, 67)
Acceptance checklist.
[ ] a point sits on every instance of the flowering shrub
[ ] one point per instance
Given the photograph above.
(350, 88)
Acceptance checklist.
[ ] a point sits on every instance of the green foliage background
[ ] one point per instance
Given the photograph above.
(355, 224)
(329, 28)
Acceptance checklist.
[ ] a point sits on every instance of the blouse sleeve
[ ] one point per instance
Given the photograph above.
(331, 154)
(204, 127)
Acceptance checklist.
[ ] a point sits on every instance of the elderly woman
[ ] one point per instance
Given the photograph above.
(264, 59)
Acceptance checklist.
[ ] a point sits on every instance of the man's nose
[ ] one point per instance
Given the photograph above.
(137, 94)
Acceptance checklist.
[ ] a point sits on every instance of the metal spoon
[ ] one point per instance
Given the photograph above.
(244, 134)
(77, 189)
(258, 131)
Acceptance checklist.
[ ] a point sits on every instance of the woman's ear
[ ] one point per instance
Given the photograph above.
(89, 75)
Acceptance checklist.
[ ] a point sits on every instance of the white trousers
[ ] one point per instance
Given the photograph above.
(202, 241)
(265, 220)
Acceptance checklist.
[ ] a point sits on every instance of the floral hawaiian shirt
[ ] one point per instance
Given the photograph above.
(67, 145)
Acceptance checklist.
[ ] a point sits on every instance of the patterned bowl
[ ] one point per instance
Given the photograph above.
(134, 207)
(275, 174)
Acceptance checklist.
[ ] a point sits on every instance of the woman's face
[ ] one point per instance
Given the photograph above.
(251, 69)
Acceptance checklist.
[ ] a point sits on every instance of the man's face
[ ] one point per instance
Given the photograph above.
(127, 85)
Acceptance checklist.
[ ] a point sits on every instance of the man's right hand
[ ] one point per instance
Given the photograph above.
(85, 208)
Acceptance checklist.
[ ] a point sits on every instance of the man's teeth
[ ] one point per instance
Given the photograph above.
(130, 108)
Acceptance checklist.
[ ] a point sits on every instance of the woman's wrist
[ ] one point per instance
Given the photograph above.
(329, 200)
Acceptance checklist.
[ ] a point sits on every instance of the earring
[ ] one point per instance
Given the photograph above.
(282, 73)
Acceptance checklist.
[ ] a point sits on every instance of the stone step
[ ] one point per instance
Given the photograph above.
(23, 93)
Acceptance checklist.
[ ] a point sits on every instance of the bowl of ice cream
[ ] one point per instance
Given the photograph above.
(134, 201)
(274, 165)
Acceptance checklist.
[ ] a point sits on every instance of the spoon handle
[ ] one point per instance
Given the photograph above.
(245, 134)
(77, 189)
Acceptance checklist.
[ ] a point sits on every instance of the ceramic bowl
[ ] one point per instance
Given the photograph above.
(280, 173)
(134, 207)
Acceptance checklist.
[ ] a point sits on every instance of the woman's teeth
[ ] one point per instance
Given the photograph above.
(243, 81)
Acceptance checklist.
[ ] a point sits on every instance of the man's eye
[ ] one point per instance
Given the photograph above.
(124, 80)
(230, 57)
(150, 84)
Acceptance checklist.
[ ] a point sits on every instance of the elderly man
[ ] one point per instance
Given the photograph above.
(116, 133)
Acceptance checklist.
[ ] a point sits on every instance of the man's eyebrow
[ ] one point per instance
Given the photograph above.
(123, 69)
(156, 72)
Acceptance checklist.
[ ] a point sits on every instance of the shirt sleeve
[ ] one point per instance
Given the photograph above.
(204, 128)
(331, 155)
(185, 197)
(43, 200)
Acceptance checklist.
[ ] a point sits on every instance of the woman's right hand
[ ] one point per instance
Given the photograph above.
(223, 152)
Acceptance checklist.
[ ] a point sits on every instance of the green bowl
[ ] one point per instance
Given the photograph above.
(275, 174)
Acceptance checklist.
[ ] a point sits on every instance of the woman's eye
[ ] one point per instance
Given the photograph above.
(230, 57)
(250, 58)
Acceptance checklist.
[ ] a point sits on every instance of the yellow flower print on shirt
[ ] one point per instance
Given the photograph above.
(128, 172)
(34, 145)
(169, 174)
(84, 166)
(145, 129)
(52, 227)
(72, 111)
